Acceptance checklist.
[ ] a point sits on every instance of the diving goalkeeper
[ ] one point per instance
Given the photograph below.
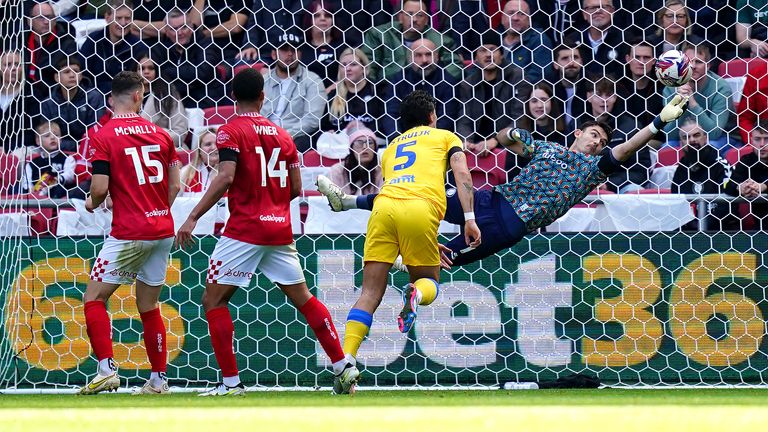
(556, 179)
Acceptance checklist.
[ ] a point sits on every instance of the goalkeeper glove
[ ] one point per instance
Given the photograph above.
(672, 111)
(523, 137)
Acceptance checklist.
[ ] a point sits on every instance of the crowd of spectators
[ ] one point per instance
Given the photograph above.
(340, 68)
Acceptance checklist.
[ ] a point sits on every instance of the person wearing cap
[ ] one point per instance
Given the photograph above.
(491, 96)
(294, 97)
(359, 173)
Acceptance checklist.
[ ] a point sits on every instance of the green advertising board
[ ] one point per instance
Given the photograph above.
(632, 309)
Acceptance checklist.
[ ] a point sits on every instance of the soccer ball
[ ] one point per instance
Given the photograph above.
(673, 68)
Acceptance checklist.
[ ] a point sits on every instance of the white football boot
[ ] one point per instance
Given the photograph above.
(101, 383)
(346, 381)
(222, 389)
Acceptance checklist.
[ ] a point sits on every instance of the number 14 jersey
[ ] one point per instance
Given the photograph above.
(139, 154)
(260, 195)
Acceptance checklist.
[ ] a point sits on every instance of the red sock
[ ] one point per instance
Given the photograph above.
(154, 339)
(99, 329)
(222, 334)
(320, 322)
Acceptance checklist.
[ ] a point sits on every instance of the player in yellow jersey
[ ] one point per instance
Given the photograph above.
(404, 221)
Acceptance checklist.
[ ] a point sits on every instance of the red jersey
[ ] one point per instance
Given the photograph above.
(754, 97)
(260, 195)
(139, 154)
(82, 164)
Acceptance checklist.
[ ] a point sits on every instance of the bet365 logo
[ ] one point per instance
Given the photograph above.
(648, 312)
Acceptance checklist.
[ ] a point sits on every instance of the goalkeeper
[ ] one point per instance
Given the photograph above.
(556, 179)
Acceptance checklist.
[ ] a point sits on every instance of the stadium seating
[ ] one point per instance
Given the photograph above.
(734, 155)
(738, 67)
(735, 71)
(668, 156)
(312, 158)
(9, 172)
(185, 156)
(487, 171)
(258, 66)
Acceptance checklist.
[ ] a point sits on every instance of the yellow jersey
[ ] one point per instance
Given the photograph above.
(414, 165)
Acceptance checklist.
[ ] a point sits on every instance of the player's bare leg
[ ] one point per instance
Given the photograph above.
(360, 318)
(216, 305)
(99, 330)
(422, 290)
(319, 320)
(147, 303)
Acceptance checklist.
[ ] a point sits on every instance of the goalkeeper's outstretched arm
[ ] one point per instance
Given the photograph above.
(671, 112)
(519, 141)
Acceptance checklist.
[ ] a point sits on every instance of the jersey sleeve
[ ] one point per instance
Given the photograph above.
(292, 155)
(98, 150)
(607, 163)
(173, 155)
(453, 141)
(538, 147)
(385, 161)
(225, 139)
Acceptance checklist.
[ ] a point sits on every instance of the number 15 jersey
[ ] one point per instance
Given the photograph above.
(139, 154)
(260, 195)
(414, 165)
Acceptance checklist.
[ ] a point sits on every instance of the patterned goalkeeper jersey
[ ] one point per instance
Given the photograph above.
(555, 180)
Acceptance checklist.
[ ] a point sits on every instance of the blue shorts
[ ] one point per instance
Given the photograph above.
(499, 225)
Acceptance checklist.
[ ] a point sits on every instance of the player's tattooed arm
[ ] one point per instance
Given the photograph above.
(466, 194)
(518, 141)
(458, 162)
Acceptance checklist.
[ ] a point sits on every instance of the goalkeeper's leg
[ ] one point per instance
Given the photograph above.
(338, 200)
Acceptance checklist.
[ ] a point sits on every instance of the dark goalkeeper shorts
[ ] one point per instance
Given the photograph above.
(499, 225)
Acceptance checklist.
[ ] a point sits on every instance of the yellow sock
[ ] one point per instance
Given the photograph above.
(358, 324)
(428, 289)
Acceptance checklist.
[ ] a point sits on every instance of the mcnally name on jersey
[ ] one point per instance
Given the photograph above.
(135, 130)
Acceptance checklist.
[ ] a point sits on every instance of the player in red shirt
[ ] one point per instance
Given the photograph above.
(754, 98)
(135, 161)
(259, 166)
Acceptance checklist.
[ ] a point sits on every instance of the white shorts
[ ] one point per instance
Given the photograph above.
(122, 261)
(234, 263)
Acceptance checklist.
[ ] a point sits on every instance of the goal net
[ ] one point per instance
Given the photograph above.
(658, 279)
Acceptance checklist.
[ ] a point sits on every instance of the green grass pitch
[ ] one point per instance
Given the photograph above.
(619, 410)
